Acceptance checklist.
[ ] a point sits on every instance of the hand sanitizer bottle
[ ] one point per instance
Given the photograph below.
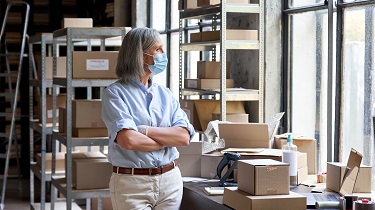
(290, 156)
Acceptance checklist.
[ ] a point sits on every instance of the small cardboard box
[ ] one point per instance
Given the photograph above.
(302, 174)
(256, 153)
(85, 155)
(304, 144)
(195, 37)
(94, 64)
(60, 102)
(62, 120)
(301, 160)
(89, 132)
(77, 23)
(60, 70)
(231, 34)
(245, 135)
(207, 83)
(60, 161)
(263, 177)
(211, 70)
(187, 4)
(189, 161)
(86, 114)
(189, 108)
(202, 3)
(335, 175)
(233, 117)
(91, 174)
(106, 203)
(240, 200)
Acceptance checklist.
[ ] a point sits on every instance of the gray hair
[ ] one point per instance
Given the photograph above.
(130, 59)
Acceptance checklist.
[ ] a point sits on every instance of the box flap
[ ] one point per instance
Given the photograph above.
(244, 131)
(351, 172)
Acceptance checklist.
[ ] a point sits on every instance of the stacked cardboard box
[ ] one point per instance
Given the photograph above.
(263, 184)
(60, 102)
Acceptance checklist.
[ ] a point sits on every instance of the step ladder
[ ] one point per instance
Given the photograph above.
(12, 94)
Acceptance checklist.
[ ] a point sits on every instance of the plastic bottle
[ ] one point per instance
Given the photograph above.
(290, 156)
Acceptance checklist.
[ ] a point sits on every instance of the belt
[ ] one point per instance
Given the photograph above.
(145, 171)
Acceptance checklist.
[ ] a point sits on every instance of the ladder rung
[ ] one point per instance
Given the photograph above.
(6, 95)
(8, 75)
(4, 135)
(9, 114)
(10, 54)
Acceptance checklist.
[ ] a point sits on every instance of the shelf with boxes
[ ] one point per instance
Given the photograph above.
(81, 119)
(213, 80)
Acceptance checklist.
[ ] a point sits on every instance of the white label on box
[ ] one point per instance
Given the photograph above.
(49, 113)
(192, 84)
(97, 64)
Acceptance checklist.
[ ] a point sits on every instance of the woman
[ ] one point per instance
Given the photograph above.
(145, 124)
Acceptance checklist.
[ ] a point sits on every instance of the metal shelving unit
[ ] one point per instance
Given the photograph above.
(219, 12)
(104, 37)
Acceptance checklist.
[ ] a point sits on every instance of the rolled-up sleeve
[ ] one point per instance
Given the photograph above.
(115, 113)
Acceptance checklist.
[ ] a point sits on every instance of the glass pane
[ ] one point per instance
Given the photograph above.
(358, 85)
(299, 3)
(158, 12)
(309, 53)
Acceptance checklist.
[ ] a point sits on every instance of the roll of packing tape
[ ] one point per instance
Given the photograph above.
(364, 204)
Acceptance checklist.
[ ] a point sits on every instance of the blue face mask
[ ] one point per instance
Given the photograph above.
(160, 63)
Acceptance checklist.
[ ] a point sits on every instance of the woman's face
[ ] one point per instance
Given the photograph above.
(156, 48)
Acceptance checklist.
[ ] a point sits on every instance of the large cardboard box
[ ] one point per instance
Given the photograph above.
(335, 175)
(245, 135)
(207, 83)
(62, 120)
(256, 153)
(211, 70)
(231, 34)
(60, 161)
(187, 4)
(202, 3)
(232, 117)
(189, 161)
(189, 108)
(77, 23)
(205, 108)
(302, 174)
(94, 64)
(91, 174)
(60, 102)
(89, 132)
(60, 70)
(263, 177)
(87, 114)
(304, 144)
(86, 155)
(240, 200)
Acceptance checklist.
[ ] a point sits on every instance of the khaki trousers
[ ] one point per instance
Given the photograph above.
(156, 192)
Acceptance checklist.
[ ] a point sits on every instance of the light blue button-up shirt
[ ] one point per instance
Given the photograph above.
(126, 105)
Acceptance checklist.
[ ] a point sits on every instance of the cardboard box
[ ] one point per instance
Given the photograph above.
(87, 114)
(301, 160)
(209, 163)
(195, 37)
(245, 135)
(233, 117)
(77, 22)
(202, 3)
(62, 120)
(211, 70)
(256, 153)
(335, 175)
(60, 70)
(302, 174)
(231, 34)
(88, 155)
(205, 108)
(207, 83)
(189, 108)
(240, 200)
(263, 177)
(187, 4)
(60, 161)
(91, 174)
(304, 144)
(106, 203)
(94, 64)
(89, 132)
(60, 102)
(189, 161)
